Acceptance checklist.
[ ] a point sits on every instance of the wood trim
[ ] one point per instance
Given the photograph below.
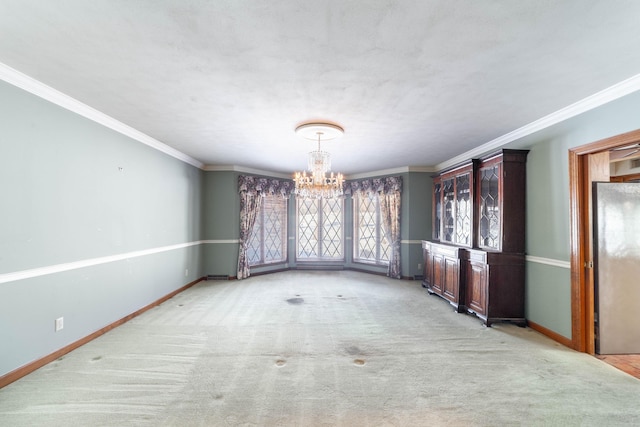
(577, 255)
(581, 311)
(596, 169)
(551, 334)
(626, 178)
(608, 143)
(36, 364)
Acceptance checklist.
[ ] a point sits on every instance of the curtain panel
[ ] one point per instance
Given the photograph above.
(252, 189)
(389, 192)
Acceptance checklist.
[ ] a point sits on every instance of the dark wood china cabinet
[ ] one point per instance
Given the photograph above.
(475, 259)
(452, 225)
(453, 202)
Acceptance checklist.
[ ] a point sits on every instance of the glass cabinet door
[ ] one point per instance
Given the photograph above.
(489, 232)
(448, 220)
(437, 220)
(463, 210)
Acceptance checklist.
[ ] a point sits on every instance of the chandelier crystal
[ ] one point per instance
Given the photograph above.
(317, 185)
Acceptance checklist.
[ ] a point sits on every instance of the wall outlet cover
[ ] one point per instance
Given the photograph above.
(59, 323)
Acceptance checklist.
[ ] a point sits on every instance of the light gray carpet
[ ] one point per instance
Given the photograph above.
(319, 348)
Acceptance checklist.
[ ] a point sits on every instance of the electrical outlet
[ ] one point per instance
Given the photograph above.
(186, 272)
(59, 323)
(419, 266)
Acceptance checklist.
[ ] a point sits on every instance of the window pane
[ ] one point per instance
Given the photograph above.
(268, 242)
(308, 228)
(370, 243)
(319, 231)
(275, 229)
(367, 226)
(332, 228)
(254, 251)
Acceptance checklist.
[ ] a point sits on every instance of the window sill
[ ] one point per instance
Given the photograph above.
(370, 263)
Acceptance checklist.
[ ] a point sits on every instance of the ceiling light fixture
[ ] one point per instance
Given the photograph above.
(317, 185)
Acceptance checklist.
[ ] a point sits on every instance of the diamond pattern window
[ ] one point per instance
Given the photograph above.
(463, 210)
(319, 229)
(490, 207)
(370, 243)
(268, 244)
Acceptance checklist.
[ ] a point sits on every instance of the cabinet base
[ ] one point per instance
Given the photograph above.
(488, 321)
(457, 307)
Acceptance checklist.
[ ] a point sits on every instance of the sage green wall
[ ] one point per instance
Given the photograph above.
(221, 223)
(72, 190)
(417, 222)
(222, 206)
(548, 287)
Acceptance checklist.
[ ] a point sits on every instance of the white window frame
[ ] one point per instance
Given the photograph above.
(269, 202)
(320, 238)
(379, 238)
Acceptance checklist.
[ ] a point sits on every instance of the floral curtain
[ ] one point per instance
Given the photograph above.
(389, 191)
(252, 189)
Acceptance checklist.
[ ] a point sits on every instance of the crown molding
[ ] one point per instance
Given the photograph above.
(35, 87)
(235, 168)
(403, 169)
(598, 99)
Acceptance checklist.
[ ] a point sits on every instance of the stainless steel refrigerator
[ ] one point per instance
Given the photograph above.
(616, 209)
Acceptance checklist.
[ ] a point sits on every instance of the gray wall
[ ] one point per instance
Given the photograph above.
(221, 223)
(416, 225)
(72, 190)
(548, 287)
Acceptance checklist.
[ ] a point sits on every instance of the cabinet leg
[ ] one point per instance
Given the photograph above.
(518, 322)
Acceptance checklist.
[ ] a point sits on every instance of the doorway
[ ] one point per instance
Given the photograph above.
(587, 164)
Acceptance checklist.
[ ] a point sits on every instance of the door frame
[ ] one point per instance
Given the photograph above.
(582, 287)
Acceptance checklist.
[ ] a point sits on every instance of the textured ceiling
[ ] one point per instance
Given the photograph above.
(413, 83)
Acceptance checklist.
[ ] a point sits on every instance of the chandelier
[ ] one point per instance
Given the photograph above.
(317, 185)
